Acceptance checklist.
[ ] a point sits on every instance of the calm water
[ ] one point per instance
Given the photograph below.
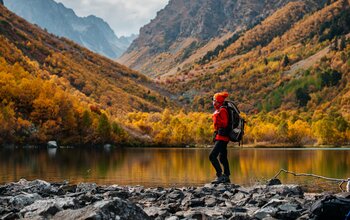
(171, 167)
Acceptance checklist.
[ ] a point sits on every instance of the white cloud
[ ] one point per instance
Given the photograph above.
(124, 16)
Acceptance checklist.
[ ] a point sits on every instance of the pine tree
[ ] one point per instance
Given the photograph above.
(285, 61)
(266, 61)
(342, 44)
(104, 128)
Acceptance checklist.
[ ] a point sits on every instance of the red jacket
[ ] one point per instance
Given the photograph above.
(220, 119)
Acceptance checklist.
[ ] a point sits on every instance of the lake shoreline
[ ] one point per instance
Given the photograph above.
(41, 200)
(142, 145)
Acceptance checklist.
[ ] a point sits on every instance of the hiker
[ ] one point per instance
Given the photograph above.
(220, 138)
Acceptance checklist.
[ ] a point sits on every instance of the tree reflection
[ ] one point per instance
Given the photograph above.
(166, 167)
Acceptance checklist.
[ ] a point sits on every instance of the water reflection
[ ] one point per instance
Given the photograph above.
(168, 167)
(52, 152)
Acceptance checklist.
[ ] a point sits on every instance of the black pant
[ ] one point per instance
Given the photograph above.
(220, 147)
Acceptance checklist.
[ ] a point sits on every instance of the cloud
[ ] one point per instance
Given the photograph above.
(124, 16)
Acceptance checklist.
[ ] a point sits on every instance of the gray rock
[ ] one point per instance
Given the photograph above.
(67, 189)
(240, 216)
(331, 207)
(152, 211)
(86, 187)
(274, 203)
(180, 213)
(176, 195)
(197, 202)
(47, 208)
(23, 186)
(285, 190)
(172, 218)
(289, 207)
(210, 202)
(173, 207)
(20, 201)
(110, 209)
(239, 209)
(186, 200)
(265, 212)
(52, 144)
(228, 204)
(239, 196)
(40, 208)
(273, 182)
(195, 215)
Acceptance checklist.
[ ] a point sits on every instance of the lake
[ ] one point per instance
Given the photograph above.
(178, 167)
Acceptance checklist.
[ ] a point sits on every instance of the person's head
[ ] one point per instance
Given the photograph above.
(219, 98)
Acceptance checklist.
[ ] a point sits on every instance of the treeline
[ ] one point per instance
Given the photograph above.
(35, 110)
(286, 127)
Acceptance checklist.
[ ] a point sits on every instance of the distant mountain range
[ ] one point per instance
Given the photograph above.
(91, 32)
(184, 28)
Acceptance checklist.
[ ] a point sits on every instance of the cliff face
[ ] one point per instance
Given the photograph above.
(91, 32)
(182, 24)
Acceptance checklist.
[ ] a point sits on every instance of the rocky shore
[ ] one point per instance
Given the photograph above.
(42, 200)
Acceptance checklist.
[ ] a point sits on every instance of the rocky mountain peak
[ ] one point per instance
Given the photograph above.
(193, 24)
(91, 32)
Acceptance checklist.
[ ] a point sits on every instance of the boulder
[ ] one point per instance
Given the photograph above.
(210, 201)
(23, 186)
(20, 201)
(86, 187)
(47, 208)
(331, 207)
(52, 144)
(273, 182)
(265, 212)
(110, 209)
(176, 195)
(197, 202)
(284, 190)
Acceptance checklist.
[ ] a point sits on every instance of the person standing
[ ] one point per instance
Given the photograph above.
(221, 139)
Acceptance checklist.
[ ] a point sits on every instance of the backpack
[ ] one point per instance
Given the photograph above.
(235, 128)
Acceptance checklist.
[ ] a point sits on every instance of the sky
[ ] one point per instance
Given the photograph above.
(125, 17)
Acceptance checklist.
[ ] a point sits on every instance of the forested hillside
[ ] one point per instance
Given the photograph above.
(298, 73)
(51, 88)
(288, 73)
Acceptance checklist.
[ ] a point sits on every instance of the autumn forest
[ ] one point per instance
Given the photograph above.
(291, 85)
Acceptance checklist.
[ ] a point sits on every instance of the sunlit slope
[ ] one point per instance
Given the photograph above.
(51, 88)
(112, 85)
(299, 68)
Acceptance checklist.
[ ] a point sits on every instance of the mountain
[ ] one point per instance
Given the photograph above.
(51, 87)
(288, 74)
(186, 30)
(286, 62)
(91, 32)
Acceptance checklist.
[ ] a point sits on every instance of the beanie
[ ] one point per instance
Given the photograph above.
(221, 96)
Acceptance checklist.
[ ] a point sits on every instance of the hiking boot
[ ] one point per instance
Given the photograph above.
(219, 179)
(226, 179)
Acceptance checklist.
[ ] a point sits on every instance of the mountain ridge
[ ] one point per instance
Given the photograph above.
(91, 31)
(184, 27)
